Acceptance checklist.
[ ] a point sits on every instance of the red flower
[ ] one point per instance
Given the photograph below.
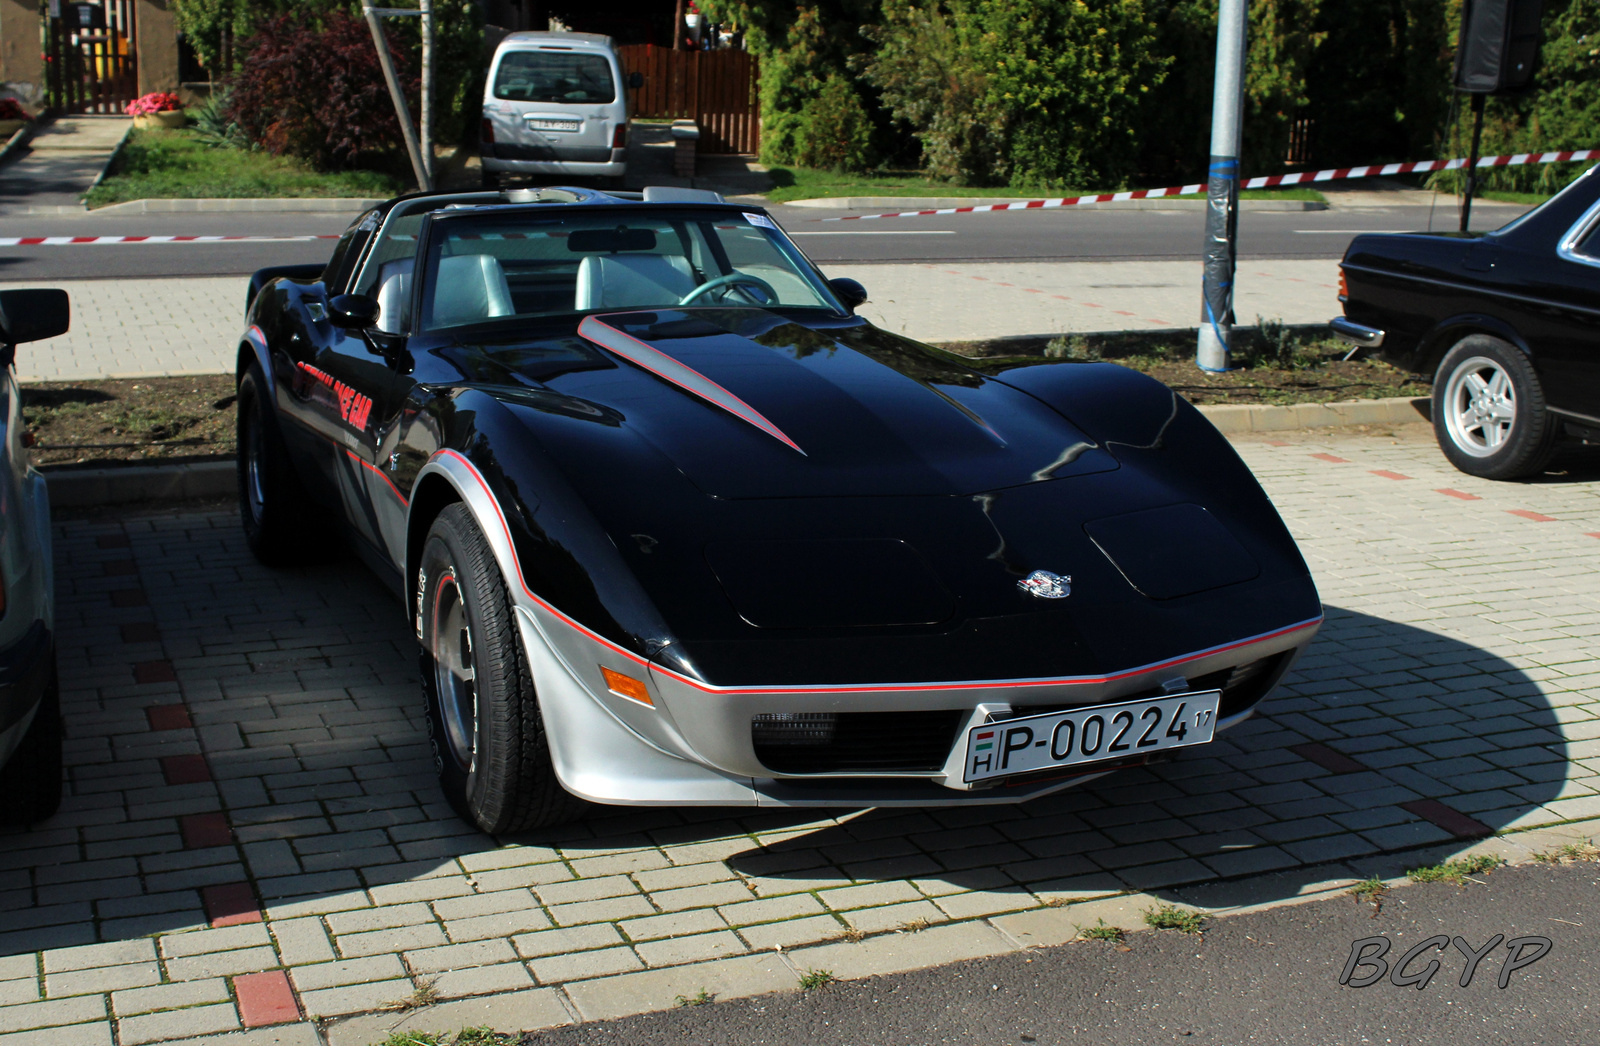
(154, 102)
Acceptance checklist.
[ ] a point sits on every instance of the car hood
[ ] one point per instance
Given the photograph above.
(753, 404)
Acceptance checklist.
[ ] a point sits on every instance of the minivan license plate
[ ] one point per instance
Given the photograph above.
(549, 123)
(1090, 735)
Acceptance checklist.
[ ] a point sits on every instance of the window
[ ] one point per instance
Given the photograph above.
(487, 266)
(555, 76)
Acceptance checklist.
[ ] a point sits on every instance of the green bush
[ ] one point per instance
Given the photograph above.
(1030, 92)
(835, 132)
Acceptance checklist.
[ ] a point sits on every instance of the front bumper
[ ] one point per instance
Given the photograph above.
(693, 744)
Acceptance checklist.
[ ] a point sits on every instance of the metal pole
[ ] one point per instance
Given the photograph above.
(427, 88)
(401, 110)
(1472, 161)
(1222, 188)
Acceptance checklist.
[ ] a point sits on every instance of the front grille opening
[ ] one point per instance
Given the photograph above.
(1243, 685)
(855, 742)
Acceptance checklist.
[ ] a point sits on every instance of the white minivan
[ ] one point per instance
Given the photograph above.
(555, 104)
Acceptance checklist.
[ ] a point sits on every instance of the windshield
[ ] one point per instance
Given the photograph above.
(490, 266)
(554, 76)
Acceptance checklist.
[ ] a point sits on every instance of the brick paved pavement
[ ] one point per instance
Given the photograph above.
(253, 835)
(145, 328)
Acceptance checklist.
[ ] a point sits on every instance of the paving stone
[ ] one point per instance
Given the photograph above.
(301, 941)
(169, 996)
(574, 939)
(902, 951)
(517, 1011)
(771, 909)
(52, 1013)
(174, 1024)
(723, 980)
(793, 932)
(403, 938)
(556, 969)
(202, 941)
(909, 917)
(482, 980)
(102, 979)
(117, 953)
(673, 925)
(336, 1002)
(222, 964)
(96, 1034)
(460, 956)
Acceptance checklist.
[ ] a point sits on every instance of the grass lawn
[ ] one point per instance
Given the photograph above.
(162, 164)
(1529, 198)
(805, 183)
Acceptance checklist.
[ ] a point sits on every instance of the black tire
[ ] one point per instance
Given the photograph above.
(30, 781)
(1489, 410)
(273, 504)
(488, 738)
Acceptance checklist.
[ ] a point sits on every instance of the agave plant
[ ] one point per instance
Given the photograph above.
(212, 124)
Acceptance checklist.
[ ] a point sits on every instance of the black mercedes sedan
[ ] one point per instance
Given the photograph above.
(1503, 323)
(673, 525)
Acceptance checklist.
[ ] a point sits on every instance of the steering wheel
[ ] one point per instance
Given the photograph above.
(731, 280)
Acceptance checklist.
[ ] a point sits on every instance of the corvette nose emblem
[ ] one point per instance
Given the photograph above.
(1045, 585)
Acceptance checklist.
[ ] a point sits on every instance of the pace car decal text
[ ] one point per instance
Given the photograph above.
(353, 406)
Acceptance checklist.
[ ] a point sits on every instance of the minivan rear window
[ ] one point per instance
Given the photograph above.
(554, 76)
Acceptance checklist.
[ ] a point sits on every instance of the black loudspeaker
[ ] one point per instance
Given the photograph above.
(1499, 45)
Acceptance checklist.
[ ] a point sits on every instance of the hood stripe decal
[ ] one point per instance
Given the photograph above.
(678, 373)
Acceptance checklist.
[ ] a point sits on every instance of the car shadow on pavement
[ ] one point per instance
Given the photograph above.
(247, 745)
(1384, 737)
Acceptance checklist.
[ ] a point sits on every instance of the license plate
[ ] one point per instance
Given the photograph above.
(546, 123)
(1090, 735)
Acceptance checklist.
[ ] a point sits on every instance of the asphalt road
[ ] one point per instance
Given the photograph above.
(1269, 977)
(1069, 234)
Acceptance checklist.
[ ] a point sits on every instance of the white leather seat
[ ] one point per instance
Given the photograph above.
(394, 296)
(470, 288)
(607, 281)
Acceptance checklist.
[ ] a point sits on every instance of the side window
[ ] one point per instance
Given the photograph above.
(1589, 245)
(348, 251)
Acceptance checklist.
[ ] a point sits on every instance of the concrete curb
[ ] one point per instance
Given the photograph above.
(1233, 419)
(17, 141)
(250, 205)
(111, 161)
(927, 202)
(905, 950)
(80, 488)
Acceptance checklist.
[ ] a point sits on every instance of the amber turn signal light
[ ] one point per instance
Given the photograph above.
(627, 686)
(1344, 288)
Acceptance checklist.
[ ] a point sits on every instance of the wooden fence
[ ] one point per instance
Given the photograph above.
(91, 69)
(716, 89)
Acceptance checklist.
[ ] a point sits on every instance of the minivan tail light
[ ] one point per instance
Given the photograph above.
(486, 132)
(619, 137)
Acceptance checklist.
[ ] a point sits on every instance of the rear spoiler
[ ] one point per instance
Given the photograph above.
(261, 277)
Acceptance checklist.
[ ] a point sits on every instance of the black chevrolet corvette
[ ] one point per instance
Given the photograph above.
(674, 526)
(1502, 323)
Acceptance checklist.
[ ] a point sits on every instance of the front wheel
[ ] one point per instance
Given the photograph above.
(1489, 411)
(273, 505)
(489, 742)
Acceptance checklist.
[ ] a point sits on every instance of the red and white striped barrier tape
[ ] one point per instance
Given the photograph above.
(1269, 181)
(101, 241)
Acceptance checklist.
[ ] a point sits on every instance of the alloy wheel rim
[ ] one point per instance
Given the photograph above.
(454, 674)
(1480, 406)
(252, 470)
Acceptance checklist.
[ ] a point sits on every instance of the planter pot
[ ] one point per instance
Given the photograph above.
(11, 127)
(172, 120)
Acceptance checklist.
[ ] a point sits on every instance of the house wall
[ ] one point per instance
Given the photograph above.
(157, 45)
(21, 64)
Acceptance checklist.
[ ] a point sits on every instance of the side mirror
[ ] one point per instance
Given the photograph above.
(636, 80)
(848, 291)
(352, 311)
(33, 315)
